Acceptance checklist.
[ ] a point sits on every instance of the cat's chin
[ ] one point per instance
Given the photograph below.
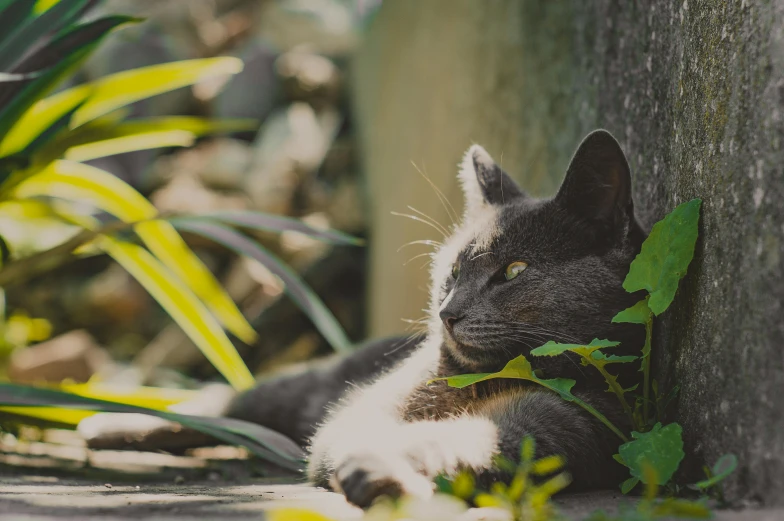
(468, 356)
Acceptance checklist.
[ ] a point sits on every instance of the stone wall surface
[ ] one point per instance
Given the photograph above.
(693, 90)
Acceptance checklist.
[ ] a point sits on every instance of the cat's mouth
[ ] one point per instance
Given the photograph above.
(463, 347)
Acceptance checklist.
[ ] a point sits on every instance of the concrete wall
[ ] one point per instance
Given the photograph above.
(694, 91)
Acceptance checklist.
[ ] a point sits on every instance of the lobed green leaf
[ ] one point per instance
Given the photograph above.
(639, 313)
(661, 449)
(665, 256)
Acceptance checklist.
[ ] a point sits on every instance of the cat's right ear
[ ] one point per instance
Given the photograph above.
(485, 184)
(597, 186)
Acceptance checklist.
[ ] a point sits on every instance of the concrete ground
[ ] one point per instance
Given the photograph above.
(57, 477)
(45, 498)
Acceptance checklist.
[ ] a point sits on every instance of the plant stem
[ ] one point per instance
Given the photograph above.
(615, 387)
(599, 416)
(646, 368)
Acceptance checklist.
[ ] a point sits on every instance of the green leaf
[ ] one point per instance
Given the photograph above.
(78, 182)
(123, 88)
(39, 117)
(28, 34)
(520, 368)
(554, 348)
(184, 308)
(661, 448)
(639, 313)
(628, 485)
(132, 143)
(612, 359)
(305, 298)
(55, 61)
(665, 256)
(275, 223)
(14, 14)
(261, 441)
(136, 134)
(725, 466)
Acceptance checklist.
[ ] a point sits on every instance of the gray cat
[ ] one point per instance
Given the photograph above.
(517, 272)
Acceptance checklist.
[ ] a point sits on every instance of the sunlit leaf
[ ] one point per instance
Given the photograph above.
(520, 368)
(295, 514)
(148, 397)
(40, 116)
(123, 88)
(548, 465)
(104, 129)
(665, 256)
(79, 182)
(54, 60)
(184, 308)
(305, 298)
(259, 440)
(661, 448)
(121, 145)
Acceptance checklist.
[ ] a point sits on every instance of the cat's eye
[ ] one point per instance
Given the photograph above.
(455, 270)
(515, 269)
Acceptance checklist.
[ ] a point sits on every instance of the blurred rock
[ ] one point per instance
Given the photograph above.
(112, 296)
(292, 145)
(253, 92)
(225, 163)
(309, 77)
(71, 356)
(327, 25)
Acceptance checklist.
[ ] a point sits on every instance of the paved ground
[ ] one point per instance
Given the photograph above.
(46, 498)
(57, 477)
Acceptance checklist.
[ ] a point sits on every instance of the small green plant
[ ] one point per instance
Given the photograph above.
(534, 482)
(654, 451)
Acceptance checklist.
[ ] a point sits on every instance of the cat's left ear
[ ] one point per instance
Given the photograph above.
(598, 183)
(485, 184)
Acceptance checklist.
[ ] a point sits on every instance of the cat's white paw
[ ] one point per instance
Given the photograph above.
(364, 477)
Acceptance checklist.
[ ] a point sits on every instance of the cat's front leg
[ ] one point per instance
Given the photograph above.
(406, 459)
(409, 456)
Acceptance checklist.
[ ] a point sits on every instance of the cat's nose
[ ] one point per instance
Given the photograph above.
(449, 319)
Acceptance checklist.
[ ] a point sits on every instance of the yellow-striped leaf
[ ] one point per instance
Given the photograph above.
(184, 308)
(102, 129)
(78, 182)
(131, 143)
(123, 88)
(40, 117)
(149, 397)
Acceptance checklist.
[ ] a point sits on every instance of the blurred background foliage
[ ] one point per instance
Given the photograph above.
(174, 136)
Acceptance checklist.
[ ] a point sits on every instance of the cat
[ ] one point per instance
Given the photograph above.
(516, 272)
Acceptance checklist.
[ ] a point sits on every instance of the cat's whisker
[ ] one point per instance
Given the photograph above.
(426, 242)
(415, 257)
(415, 218)
(450, 210)
(430, 218)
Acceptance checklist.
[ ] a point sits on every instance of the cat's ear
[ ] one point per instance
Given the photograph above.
(484, 182)
(597, 186)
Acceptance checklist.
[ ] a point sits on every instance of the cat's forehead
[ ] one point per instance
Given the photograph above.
(532, 227)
